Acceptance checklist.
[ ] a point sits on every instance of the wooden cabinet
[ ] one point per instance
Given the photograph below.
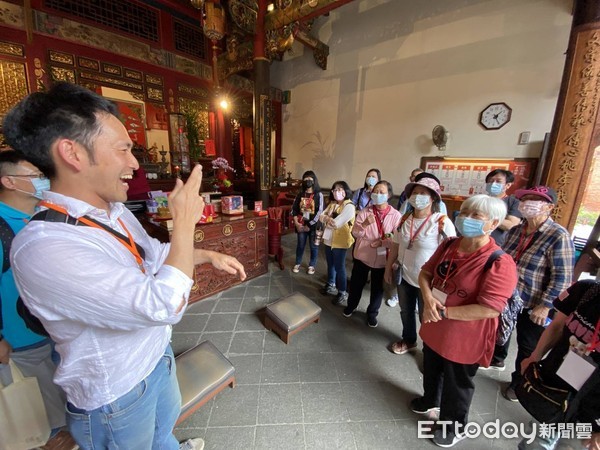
(244, 237)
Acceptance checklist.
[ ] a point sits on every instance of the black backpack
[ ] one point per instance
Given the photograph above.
(7, 235)
(508, 316)
(32, 322)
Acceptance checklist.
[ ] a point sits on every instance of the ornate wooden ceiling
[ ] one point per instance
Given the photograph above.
(289, 20)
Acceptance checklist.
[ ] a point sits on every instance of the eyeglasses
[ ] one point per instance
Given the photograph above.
(39, 176)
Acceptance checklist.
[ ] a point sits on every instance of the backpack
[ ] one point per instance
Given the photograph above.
(440, 223)
(33, 323)
(7, 235)
(514, 304)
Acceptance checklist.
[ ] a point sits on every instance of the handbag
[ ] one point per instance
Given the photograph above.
(23, 420)
(544, 402)
(547, 403)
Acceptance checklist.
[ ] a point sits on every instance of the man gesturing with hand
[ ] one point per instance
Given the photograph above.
(106, 292)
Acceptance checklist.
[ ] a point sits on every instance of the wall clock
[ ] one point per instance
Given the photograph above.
(495, 116)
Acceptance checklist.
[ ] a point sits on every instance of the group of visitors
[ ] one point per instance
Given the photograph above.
(456, 286)
(101, 348)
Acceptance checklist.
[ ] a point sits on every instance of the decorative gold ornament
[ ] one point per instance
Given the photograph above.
(198, 236)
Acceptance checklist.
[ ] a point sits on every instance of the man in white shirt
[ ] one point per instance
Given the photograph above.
(106, 292)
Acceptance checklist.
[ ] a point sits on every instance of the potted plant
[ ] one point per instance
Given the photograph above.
(193, 134)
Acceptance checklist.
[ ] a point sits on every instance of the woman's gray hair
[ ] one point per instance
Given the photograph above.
(492, 207)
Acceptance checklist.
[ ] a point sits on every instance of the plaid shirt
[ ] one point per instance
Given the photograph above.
(545, 266)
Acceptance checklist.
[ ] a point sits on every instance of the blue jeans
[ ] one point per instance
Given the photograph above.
(141, 419)
(336, 267)
(314, 249)
(408, 298)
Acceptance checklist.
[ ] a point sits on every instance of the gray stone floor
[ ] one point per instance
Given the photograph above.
(335, 385)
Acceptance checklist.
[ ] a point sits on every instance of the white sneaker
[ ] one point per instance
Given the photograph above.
(392, 301)
(192, 444)
(296, 268)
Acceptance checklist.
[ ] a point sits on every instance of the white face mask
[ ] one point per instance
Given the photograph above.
(532, 208)
(419, 201)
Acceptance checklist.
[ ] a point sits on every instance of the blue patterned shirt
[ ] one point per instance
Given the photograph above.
(545, 262)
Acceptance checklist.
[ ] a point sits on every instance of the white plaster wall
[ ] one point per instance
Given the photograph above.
(399, 67)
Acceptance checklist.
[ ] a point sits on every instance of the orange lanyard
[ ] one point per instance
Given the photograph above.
(131, 246)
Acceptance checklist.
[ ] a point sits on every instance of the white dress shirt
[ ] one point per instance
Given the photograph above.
(110, 321)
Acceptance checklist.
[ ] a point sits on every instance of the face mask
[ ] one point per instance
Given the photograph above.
(371, 181)
(419, 201)
(531, 208)
(339, 195)
(307, 184)
(379, 199)
(40, 185)
(469, 227)
(493, 188)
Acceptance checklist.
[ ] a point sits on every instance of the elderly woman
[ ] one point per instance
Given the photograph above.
(420, 232)
(463, 295)
(373, 231)
(545, 258)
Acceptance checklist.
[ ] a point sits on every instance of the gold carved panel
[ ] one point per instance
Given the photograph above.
(9, 48)
(111, 69)
(87, 63)
(154, 79)
(13, 85)
(62, 74)
(133, 74)
(60, 57)
(154, 94)
(192, 91)
(115, 81)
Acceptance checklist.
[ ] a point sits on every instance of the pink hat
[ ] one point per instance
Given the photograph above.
(429, 183)
(547, 193)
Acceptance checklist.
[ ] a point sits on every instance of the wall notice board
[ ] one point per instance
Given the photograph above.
(463, 177)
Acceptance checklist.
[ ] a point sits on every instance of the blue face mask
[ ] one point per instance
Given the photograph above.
(379, 199)
(493, 188)
(40, 185)
(469, 227)
(371, 181)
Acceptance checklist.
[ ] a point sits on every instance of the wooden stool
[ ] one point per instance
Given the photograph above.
(202, 372)
(291, 314)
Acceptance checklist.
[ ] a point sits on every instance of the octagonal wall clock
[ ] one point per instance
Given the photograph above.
(495, 116)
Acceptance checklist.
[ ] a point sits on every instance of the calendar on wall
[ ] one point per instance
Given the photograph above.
(463, 177)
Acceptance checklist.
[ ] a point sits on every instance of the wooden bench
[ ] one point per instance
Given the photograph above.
(290, 314)
(202, 372)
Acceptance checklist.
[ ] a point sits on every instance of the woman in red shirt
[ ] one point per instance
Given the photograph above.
(462, 302)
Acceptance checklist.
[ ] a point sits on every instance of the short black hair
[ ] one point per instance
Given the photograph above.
(510, 177)
(311, 174)
(64, 111)
(344, 186)
(8, 160)
(389, 187)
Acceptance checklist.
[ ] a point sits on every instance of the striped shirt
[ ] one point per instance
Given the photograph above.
(545, 261)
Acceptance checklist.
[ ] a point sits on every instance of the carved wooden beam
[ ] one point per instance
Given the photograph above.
(301, 10)
(320, 49)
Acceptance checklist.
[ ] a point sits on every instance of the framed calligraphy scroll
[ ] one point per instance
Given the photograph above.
(133, 117)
